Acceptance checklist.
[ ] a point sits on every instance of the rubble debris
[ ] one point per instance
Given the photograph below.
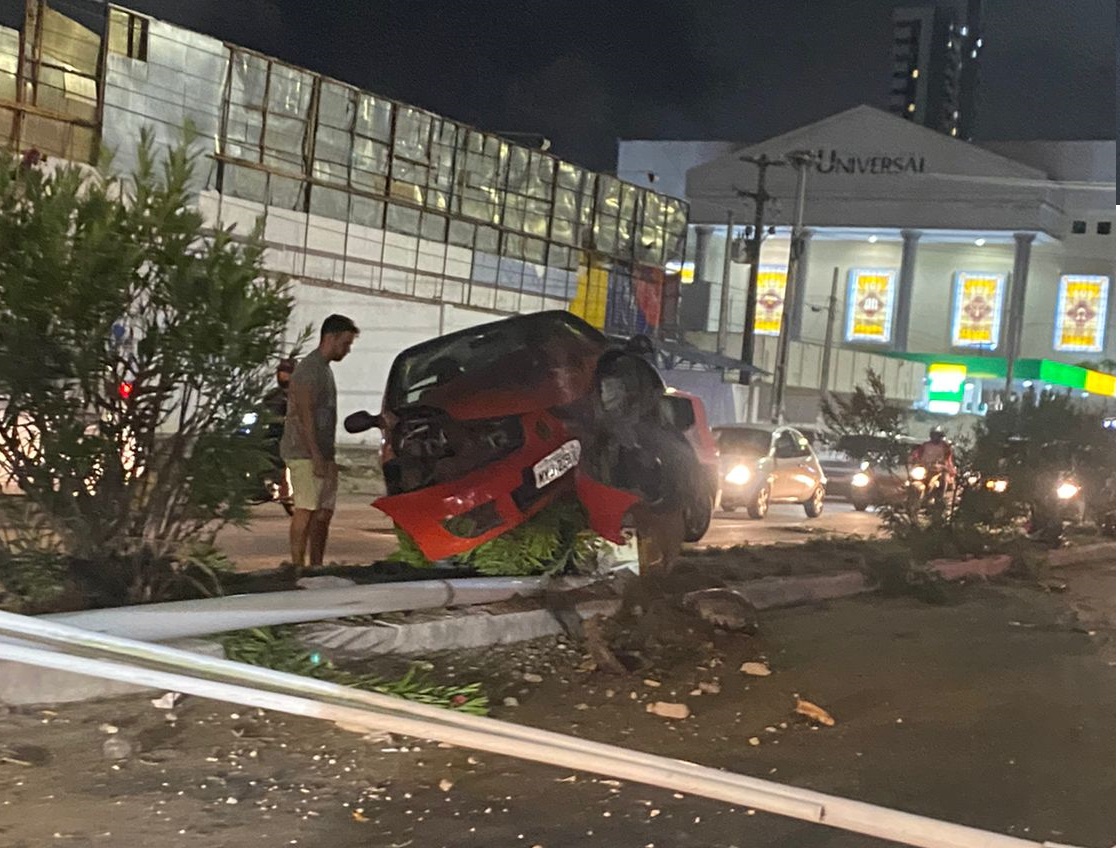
(813, 712)
(664, 709)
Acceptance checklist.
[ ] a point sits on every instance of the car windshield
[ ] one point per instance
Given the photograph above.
(533, 343)
(742, 440)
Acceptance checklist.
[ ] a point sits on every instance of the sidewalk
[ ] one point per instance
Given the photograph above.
(359, 534)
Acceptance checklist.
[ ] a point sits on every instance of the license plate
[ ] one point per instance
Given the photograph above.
(557, 463)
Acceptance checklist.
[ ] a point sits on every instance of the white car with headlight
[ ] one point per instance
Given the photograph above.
(760, 466)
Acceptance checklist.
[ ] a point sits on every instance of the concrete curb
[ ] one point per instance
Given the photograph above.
(983, 567)
(1083, 553)
(772, 592)
(21, 685)
(470, 628)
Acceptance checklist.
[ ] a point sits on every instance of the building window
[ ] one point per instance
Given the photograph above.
(1079, 228)
(128, 35)
(1104, 228)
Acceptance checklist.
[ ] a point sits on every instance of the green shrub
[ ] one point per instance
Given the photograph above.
(109, 282)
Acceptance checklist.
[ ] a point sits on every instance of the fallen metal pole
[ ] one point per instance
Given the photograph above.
(395, 716)
(179, 619)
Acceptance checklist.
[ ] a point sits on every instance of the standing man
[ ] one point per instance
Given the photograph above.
(308, 442)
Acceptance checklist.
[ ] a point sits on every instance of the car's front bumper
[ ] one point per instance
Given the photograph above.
(457, 516)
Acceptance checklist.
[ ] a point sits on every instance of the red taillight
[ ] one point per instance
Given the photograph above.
(125, 389)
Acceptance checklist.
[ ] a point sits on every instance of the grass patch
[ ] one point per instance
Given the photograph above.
(278, 649)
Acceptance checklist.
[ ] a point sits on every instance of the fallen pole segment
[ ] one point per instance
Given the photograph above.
(318, 699)
(181, 619)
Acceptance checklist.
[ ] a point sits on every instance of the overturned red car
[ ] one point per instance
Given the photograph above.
(485, 427)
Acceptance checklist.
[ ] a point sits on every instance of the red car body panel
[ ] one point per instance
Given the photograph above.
(606, 506)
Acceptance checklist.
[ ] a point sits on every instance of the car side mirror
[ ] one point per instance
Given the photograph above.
(359, 422)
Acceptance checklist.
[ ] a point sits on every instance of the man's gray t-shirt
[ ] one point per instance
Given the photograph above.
(313, 371)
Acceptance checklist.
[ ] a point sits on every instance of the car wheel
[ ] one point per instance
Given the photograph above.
(815, 505)
(860, 506)
(697, 518)
(758, 508)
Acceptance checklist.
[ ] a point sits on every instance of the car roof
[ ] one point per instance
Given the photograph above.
(757, 428)
(744, 427)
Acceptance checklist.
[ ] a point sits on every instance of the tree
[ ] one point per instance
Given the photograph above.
(868, 412)
(132, 342)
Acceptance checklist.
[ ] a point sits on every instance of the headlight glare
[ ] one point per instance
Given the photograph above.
(738, 476)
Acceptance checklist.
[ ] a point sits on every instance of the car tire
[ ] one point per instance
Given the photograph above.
(758, 508)
(860, 506)
(815, 505)
(697, 518)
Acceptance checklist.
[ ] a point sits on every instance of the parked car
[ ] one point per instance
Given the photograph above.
(485, 427)
(867, 470)
(760, 466)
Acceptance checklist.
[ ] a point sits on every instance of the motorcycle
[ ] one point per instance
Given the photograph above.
(1058, 501)
(274, 486)
(928, 490)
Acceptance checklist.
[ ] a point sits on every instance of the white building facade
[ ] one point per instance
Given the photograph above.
(945, 254)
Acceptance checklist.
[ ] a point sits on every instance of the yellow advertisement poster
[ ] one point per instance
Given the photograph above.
(590, 302)
(870, 310)
(771, 300)
(977, 309)
(1080, 322)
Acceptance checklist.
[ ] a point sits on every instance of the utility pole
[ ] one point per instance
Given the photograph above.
(725, 292)
(826, 355)
(802, 160)
(760, 196)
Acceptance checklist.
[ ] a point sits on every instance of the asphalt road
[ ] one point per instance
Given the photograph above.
(361, 534)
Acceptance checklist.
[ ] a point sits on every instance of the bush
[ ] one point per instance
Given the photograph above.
(132, 342)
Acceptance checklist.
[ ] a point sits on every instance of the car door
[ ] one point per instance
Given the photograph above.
(785, 486)
(808, 474)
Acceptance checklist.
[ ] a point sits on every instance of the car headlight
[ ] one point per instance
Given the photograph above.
(861, 480)
(997, 486)
(917, 473)
(738, 476)
(249, 419)
(1068, 490)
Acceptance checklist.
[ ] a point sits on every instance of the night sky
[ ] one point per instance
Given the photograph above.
(587, 72)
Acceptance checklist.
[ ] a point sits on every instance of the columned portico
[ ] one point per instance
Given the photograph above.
(1018, 298)
(797, 303)
(905, 287)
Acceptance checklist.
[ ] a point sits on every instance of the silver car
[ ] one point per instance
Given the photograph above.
(760, 466)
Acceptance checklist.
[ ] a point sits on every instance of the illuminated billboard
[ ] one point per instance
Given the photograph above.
(1080, 321)
(870, 310)
(771, 300)
(977, 309)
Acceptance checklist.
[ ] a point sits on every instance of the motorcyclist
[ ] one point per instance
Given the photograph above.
(276, 406)
(276, 401)
(936, 454)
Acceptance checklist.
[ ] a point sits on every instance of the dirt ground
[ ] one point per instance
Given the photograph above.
(995, 710)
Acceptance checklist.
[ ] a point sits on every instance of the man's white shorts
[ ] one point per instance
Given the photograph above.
(311, 492)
